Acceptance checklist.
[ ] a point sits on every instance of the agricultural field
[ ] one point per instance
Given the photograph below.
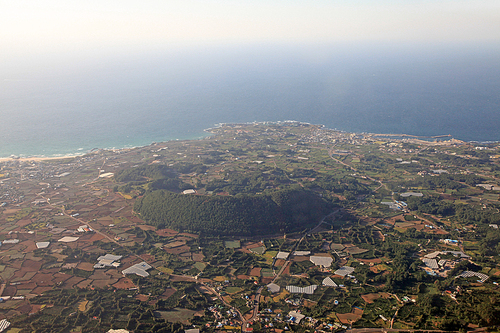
(349, 230)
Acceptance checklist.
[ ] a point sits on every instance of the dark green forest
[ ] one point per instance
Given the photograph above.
(274, 212)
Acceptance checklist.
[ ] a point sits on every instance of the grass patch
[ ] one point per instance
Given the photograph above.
(200, 266)
(176, 315)
(165, 270)
(233, 290)
(269, 255)
(259, 250)
(232, 244)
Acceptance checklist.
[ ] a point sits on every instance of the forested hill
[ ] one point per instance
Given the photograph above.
(275, 212)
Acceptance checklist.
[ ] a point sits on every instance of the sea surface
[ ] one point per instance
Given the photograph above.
(125, 100)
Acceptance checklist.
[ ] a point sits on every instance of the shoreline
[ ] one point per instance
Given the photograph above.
(37, 159)
(208, 133)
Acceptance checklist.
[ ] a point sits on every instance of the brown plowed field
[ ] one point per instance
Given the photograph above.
(166, 232)
(71, 282)
(31, 265)
(40, 290)
(42, 279)
(370, 298)
(103, 283)
(124, 283)
(84, 284)
(178, 250)
(60, 277)
(255, 271)
(85, 266)
(347, 318)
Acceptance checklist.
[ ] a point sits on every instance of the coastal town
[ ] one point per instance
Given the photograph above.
(410, 240)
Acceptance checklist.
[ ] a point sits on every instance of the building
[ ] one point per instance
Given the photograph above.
(345, 270)
(321, 261)
(328, 282)
(299, 290)
(108, 260)
(138, 269)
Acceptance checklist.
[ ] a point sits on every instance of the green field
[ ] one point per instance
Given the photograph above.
(232, 244)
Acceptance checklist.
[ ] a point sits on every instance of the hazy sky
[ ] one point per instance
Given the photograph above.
(71, 25)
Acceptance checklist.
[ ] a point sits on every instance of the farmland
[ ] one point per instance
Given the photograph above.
(369, 241)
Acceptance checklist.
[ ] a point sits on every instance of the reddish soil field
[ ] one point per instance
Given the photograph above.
(31, 265)
(42, 279)
(309, 304)
(85, 266)
(71, 282)
(166, 232)
(369, 298)
(128, 261)
(124, 283)
(347, 318)
(379, 235)
(142, 298)
(255, 271)
(99, 274)
(183, 239)
(35, 308)
(168, 292)
(178, 250)
(147, 257)
(9, 291)
(279, 262)
(40, 290)
(371, 261)
(24, 308)
(253, 245)
(286, 271)
(60, 277)
(84, 284)
(114, 274)
(146, 227)
(266, 280)
(23, 223)
(243, 277)
(95, 237)
(198, 256)
(103, 283)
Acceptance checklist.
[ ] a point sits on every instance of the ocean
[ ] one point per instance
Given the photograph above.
(127, 100)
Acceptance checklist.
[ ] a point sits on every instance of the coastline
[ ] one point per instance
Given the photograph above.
(208, 133)
(36, 159)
